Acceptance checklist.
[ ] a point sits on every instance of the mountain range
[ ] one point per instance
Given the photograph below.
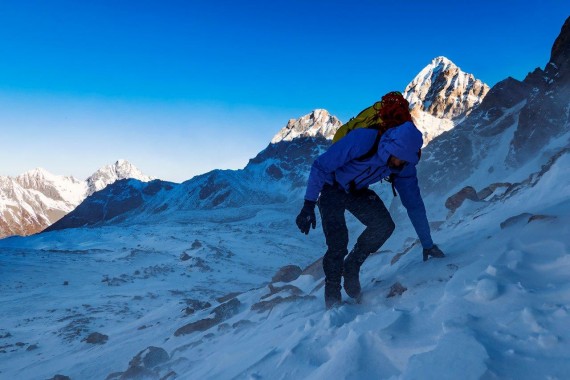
(440, 96)
(36, 199)
(279, 173)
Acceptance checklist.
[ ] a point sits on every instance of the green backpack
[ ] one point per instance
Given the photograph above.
(367, 118)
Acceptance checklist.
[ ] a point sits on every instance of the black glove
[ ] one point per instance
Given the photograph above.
(306, 217)
(433, 252)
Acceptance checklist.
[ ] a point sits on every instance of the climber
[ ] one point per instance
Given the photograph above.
(388, 149)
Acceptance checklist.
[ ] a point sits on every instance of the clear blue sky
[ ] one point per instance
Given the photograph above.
(181, 87)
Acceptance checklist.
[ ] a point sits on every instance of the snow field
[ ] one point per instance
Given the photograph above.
(496, 307)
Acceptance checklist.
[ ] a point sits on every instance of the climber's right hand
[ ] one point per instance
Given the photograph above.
(306, 218)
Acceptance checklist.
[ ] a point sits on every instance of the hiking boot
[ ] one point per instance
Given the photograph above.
(433, 252)
(332, 294)
(351, 278)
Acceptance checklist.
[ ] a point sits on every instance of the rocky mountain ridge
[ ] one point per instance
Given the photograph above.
(515, 130)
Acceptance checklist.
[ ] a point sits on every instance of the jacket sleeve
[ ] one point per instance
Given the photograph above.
(407, 186)
(352, 146)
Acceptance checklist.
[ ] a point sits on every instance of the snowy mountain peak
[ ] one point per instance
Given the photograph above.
(36, 172)
(442, 61)
(441, 96)
(56, 187)
(445, 91)
(108, 174)
(317, 123)
(36, 175)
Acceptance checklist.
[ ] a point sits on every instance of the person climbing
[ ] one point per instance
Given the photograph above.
(388, 148)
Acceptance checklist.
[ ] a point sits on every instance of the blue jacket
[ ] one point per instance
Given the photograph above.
(339, 164)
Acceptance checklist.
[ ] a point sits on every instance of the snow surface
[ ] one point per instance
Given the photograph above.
(496, 307)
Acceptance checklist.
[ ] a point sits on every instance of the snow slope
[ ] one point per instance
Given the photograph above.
(496, 307)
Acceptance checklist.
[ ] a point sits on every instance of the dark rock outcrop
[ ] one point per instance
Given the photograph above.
(287, 273)
(32, 347)
(524, 218)
(194, 305)
(150, 357)
(227, 309)
(96, 338)
(198, 326)
(287, 293)
(185, 257)
(455, 201)
(278, 289)
(491, 189)
(220, 314)
(396, 289)
(263, 306)
(228, 297)
(145, 365)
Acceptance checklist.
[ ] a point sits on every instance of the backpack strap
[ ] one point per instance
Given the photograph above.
(373, 149)
(390, 179)
(371, 152)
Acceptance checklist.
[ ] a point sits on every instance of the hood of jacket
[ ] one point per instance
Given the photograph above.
(403, 142)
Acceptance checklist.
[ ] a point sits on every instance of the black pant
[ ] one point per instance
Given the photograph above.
(369, 209)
